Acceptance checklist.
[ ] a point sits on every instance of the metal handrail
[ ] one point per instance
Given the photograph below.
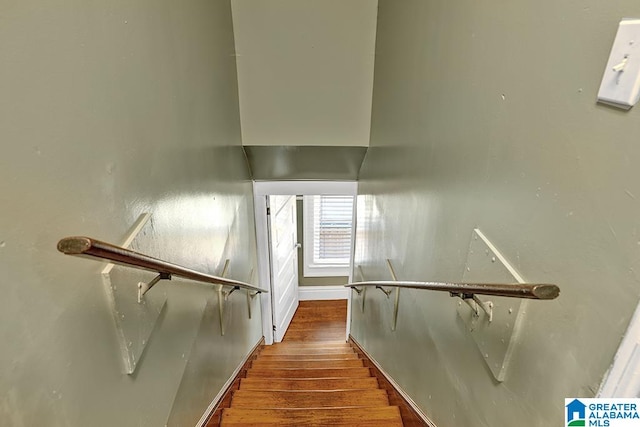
(541, 291)
(88, 247)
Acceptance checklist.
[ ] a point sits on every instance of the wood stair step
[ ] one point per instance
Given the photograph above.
(280, 348)
(253, 399)
(314, 345)
(308, 384)
(384, 416)
(335, 356)
(336, 318)
(326, 333)
(332, 355)
(319, 315)
(312, 378)
(304, 350)
(309, 373)
(325, 322)
(289, 364)
(311, 344)
(321, 312)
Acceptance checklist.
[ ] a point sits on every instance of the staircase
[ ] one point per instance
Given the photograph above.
(322, 383)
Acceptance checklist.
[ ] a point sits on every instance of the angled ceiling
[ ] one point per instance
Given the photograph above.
(281, 163)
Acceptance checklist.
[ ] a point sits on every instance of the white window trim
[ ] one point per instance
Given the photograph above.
(311, 269)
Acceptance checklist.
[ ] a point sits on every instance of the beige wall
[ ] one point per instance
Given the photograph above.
(484, 115)
(111, 109)
(305, 70)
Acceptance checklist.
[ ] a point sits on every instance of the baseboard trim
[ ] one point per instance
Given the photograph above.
(412, 415)
(314, 293)
(225, 391)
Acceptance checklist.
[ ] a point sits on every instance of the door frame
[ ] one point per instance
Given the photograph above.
(262, 189)
(622, 379)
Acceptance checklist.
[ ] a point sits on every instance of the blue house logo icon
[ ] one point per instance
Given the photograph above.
(576, 413)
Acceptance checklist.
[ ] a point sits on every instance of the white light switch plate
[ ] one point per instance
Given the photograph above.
(620, 85)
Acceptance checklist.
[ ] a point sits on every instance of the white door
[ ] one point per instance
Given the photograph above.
(284, 262)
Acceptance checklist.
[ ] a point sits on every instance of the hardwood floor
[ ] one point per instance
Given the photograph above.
(318, 321)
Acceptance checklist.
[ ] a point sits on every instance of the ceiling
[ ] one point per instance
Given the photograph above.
(283, 163)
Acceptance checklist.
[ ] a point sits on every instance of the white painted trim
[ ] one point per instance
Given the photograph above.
(278, 336)
(264, 276)
(428, 422)
(262, 189)
(623, 379)
(225, 387)
(348, 329)
(303, 188)
(352, 262)
(315, 293)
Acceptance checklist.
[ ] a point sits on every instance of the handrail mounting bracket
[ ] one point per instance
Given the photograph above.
(229, 292)
(143, 287)
(396, 303)
(387, 292)
(250, 297)
(474, 302)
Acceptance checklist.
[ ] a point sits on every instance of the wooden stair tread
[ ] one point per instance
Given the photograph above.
(305, 350)
(312, 378)
(318, 314)
(309, 373)
(253, 399)
(324, 322)
(284, 357)
(327, 333)
(384, 416)
(275, 364)
(308, 383)
(349, 355)
(310, 344)
(307, 344)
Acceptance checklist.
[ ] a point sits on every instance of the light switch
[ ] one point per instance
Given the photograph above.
(620, 85)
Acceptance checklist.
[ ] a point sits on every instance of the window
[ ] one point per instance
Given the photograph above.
(327, 235)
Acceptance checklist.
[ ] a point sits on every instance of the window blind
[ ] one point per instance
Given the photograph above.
(332, 217)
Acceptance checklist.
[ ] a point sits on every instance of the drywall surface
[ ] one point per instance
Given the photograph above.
(305, 70)
(484, 115)
(291, 163)
(108, 110)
